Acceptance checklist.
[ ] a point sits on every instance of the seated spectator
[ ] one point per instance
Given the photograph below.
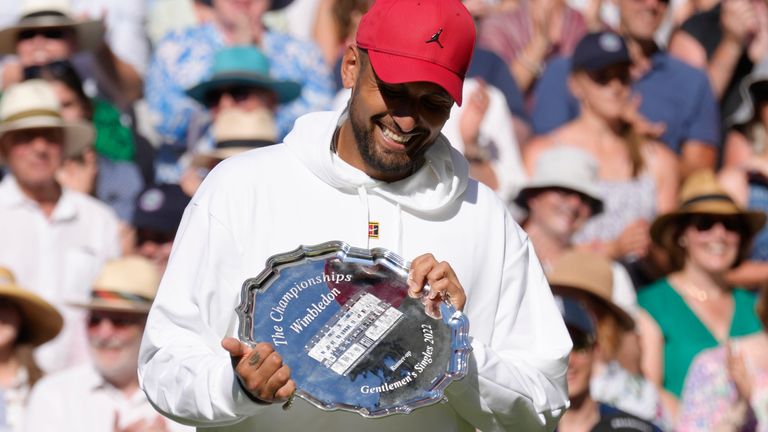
(108, 169)
(675, 100)
(638, 177)
(727, 387)
(745, 174)
(694, 307)
(234, 131)
(529, 35)
(183, 59)
(54, 239)
(47, 31)
(617, 379)
(158, 213)
(585, 413)
(239, 79)
(26, 322)
(104, 395)
(725, 41)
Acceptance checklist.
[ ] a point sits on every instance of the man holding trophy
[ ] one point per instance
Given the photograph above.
(378, 174)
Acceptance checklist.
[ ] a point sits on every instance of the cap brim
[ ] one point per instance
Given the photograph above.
(620, 314)
(113, 306)
(286, 91)
(395, 69)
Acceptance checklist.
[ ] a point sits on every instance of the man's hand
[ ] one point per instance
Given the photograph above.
(261, 371)
(443, 284)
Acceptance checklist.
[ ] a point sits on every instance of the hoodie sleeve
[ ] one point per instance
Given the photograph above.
(517, 370)
(183, 369)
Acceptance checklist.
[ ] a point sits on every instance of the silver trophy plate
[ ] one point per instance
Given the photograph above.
(342, 320)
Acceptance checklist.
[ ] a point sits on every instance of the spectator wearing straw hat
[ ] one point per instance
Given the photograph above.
(616, 376)
(49, 30)
(585, 413)
(104, 395)
(694, 307)
(234, 131)
(26, 322)
(54, 239)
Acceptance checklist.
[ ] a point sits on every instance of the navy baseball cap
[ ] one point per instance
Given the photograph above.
(576, 316)
(596, 51)
(159, 208)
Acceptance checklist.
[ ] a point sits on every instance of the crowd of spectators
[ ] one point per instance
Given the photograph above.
(629, 138)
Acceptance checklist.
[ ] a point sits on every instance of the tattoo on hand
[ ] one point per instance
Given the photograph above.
(253, 359)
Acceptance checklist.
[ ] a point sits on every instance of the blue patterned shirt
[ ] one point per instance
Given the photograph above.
(184, 58)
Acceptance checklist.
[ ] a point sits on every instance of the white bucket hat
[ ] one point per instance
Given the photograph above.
(564, 167)
(52, 14)
(33, 104)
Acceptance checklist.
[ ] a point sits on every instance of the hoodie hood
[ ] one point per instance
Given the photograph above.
(438, 183)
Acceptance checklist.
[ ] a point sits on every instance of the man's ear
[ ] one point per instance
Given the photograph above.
(350, 66)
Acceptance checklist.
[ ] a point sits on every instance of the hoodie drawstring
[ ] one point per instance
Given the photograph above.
(362, 193)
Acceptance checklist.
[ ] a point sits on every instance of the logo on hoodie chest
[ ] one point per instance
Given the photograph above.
(373, 230)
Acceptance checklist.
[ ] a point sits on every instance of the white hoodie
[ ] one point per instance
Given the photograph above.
(271, 200)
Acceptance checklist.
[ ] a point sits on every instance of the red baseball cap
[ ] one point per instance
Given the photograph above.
(419, 40)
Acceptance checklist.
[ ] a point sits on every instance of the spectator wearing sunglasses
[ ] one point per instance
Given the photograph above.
(637, 176)
(694, 307)
(48, 31)
(239, 79)
(675, 104)
(104, 395)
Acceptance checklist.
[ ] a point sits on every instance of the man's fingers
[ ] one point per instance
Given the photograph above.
(417, 277)
(234, 347)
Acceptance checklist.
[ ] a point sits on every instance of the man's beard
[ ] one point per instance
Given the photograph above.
(381, 161)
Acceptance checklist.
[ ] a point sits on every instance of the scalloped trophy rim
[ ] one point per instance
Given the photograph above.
(457, 321)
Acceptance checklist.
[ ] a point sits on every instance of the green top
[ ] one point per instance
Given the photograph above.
(684, 334)
(114, 140)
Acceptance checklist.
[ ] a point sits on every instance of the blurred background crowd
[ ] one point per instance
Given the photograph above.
(629, 138)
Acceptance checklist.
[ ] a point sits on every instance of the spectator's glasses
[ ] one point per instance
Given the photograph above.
(48, 33)
(706, 222)
(57, 69)
(238, 94)
(606, 75)
(119, 321)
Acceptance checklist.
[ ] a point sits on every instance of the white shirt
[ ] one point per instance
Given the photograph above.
(273, 199)
(57, 258)
(80, 400)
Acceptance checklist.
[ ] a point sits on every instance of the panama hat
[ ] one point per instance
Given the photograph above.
(236, 131)
(32, 104)
(40, 322)
(590, 275)
(52, 14)
(244, 65)
(564, 167)
(127, 284)
(701, 194)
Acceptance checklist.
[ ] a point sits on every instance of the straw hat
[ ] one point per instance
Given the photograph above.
(587, 274)
(568, 168)
(701, 194)
(244, 65)
(236, 131)
(127, 284)
(40, 322)
(33, 104)
(52, 14)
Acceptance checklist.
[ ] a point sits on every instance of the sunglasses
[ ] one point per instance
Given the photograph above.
(56, 69)
(238, 94)
(706, 222)
(48, 33)
(605, 76)
(95, 320)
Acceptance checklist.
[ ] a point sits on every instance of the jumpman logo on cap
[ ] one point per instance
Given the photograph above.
(436, 38)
